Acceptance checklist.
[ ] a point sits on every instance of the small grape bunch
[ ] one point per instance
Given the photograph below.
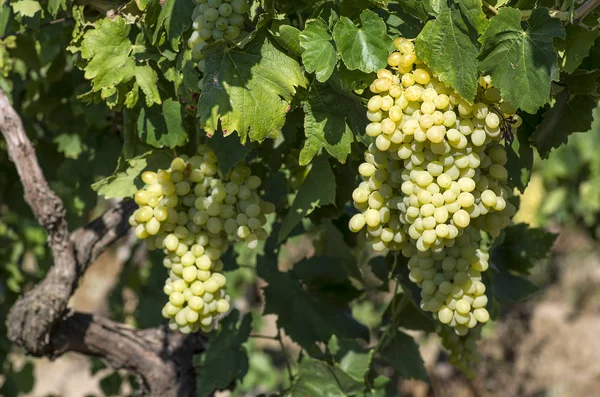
(215, 20)
(192, 213)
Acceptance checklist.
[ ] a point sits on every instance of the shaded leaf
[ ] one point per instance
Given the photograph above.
(575, 46)
(163, 126)
(402, 353)
(318, 189)
(318, 379)
(567, 116)
(175, 19)
(226, 359)
(229, 151)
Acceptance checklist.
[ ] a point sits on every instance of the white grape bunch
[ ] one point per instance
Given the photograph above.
(433, 179)
(191, 213)
(215, 20)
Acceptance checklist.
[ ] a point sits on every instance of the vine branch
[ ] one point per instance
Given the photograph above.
(40, 322)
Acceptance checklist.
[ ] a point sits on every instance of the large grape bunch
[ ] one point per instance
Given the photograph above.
(191, 212)
(433, 179)
(215, 20)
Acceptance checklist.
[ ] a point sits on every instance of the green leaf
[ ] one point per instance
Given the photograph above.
(318, 379)
(356, 363)
(55, 5)
(326, 125)
(122, 183)
(321, 316)
(472, 10)
(111, 384)
(147, 79)
(175, 19)
(319, 54)
(575, 47)
(400, 23)
(417, 8)
(226, 359)
(163, 126)
(402, 353)
(107, 47)
(522, 63)
(229, 151)
(364, 48)
(287, 36)
(26, 8)
(510, 289)
(448, 47)
(69, 144)
(248, 90)
(568, 115)
(522, 248)
(318, 189)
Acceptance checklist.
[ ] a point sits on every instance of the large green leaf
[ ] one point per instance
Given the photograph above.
(123, 182)
(226, 359)
(569, 114)
(448, 46)
(522, 63)
(161, 126)
(326, 124)
(248, 90)
(319, 55)
(319, 379)
(365, 48)
(318, 189)
(575, 47)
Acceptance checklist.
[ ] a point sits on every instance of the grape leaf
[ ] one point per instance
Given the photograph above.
(402, 353)
(319, 56)
(287, 36)
(319, 379)
(122, 183)
(69, 144)
(575, 47)
(522, 63)
(26, 8)
(417, 8)
(583, 82)
(147, 78)
(226, 358)
(473, 12)
(326, 125)
(508, 289)
(400, 23)
(570, 114)
(175, 19)
(364, 48)
(520, 158)
(56, 5)
(229, 151)
(318, 189)
(321, 317)
(107, 47)
(522, 248)
(248, 90)
(162, 126)
(448, 47)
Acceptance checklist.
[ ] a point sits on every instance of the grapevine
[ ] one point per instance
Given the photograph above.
(190, 212)
(433, 180)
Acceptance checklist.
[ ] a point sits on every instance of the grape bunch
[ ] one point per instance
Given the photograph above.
(191, 213)
(434, 178)
(215, 20)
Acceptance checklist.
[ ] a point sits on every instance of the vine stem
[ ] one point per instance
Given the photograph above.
(285, 357)
(490, 8)
(578, 15)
